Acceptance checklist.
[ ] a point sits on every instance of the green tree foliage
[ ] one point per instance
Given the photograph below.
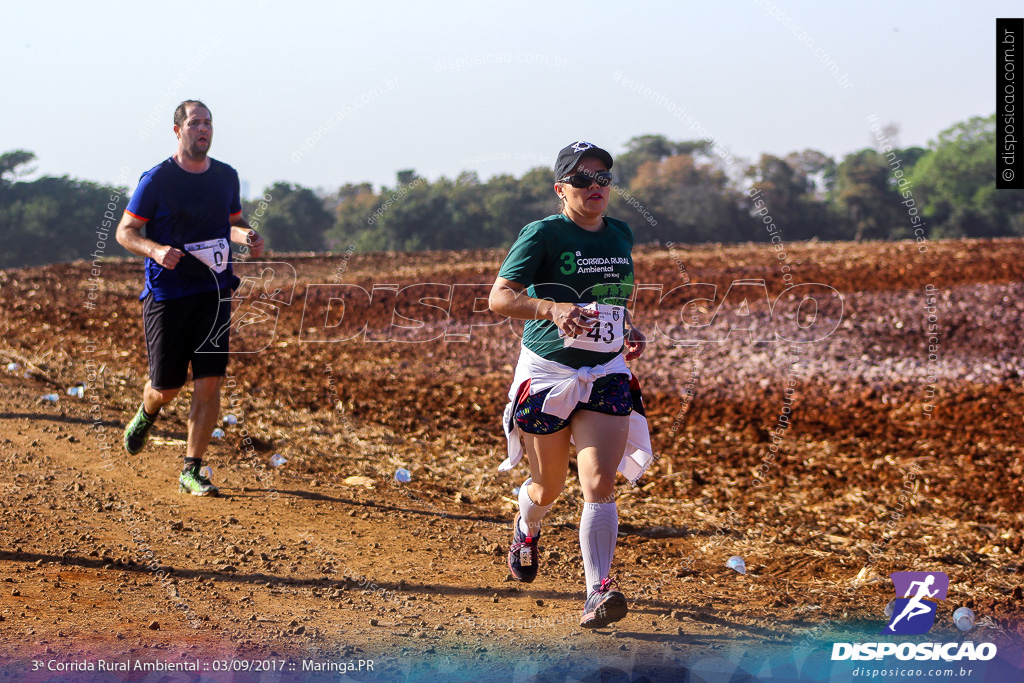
(644, 148)
(353, 209)
(690, 202)
(793, 192)
(463, 213)
(53, 219)
(818, 168)
(14, 164)
(666, 190)
(294, 218)
(868, 204)
(512, 203)
(910, 156)
(955, 184)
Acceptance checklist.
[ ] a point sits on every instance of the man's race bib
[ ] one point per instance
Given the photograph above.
(607, 333)
(214, 253)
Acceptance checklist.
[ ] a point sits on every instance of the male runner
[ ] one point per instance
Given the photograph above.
(190, 207)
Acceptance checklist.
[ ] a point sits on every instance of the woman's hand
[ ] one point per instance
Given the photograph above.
(636, 342)
(571, 319)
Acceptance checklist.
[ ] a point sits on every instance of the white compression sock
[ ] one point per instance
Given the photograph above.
(599, 529)
(530, 513)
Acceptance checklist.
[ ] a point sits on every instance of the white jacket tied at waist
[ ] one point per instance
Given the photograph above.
(570, 386)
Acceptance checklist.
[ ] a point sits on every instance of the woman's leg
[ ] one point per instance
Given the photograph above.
(549, 464)
(600, 442)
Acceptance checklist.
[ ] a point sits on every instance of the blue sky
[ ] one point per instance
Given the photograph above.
(443, 87)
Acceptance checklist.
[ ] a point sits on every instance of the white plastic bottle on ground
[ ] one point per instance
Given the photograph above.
(964, 618)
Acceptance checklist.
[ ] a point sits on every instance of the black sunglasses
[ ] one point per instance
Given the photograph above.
(582, 180)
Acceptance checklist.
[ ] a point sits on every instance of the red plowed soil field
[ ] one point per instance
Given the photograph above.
(891, 456)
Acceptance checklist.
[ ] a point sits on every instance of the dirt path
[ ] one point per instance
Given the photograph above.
(114, 562)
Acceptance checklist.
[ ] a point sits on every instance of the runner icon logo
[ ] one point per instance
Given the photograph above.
(917, 594)
(265, 287)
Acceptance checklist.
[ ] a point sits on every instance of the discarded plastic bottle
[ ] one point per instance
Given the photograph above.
(515, 492)
(736, 562)
(52, 398)
(889, 609)
(277, 460)
(230, 419)
(78, 391)
(403, 476)
(218, 433)
(206, 471)
(964, 618)
(13, 367)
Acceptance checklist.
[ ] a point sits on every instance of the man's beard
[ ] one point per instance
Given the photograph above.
(193, 152)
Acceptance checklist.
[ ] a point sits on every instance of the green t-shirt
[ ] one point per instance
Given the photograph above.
(560, 261)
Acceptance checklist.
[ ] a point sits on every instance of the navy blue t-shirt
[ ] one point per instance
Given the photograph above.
(191, 212)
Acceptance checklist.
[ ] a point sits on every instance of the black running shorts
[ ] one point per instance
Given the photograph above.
(190, 329)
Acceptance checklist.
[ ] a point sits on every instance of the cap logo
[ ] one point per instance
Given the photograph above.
(581, 146)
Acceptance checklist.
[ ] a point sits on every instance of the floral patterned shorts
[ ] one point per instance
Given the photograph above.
(611, 398)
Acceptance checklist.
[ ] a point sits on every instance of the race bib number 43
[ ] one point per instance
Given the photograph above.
(607, 332)
(214, 253)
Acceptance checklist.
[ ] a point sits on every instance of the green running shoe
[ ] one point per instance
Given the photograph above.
(137, 431)
(196, 484)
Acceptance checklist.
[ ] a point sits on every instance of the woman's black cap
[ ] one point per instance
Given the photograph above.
(571, 155)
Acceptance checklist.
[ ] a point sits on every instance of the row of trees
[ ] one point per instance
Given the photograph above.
(668, 191)
(50, 220)
(681, 192)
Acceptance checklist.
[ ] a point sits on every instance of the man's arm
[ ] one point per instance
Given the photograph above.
(242, 233)
(129, 236)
